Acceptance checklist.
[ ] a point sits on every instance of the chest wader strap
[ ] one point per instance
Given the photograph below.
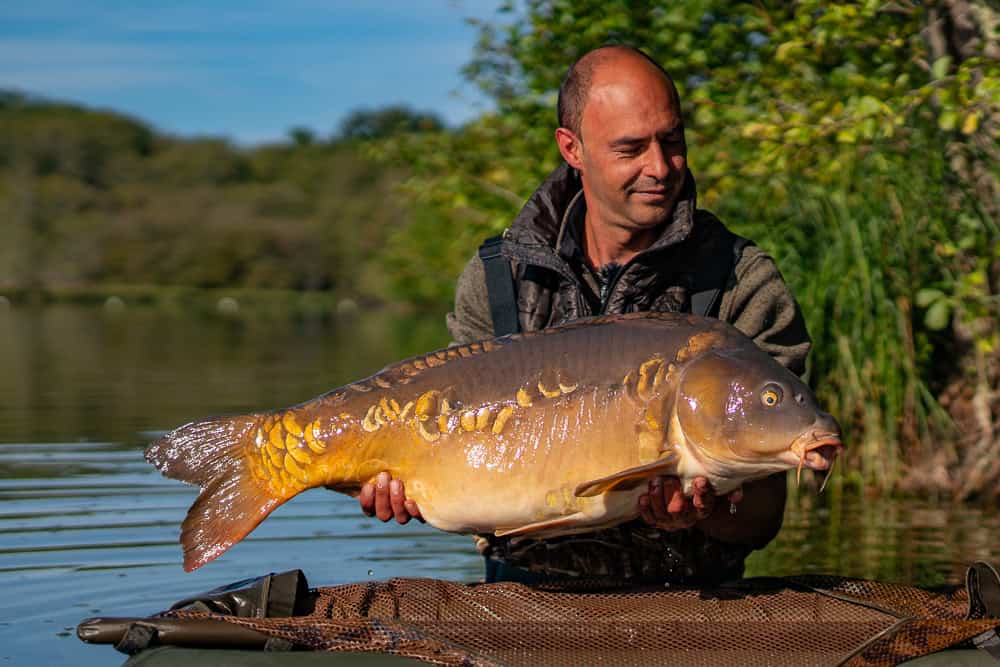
(499, 287)
(714, 276)
(503, 311)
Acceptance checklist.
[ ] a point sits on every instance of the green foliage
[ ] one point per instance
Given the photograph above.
(857, 141)
(461, 193)
(856, 264)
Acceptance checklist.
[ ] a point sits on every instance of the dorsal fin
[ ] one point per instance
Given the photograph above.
(404, 371)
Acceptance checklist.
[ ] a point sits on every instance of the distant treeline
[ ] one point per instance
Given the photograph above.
(92, 198)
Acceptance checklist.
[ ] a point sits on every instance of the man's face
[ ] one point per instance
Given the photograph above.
(632, 154)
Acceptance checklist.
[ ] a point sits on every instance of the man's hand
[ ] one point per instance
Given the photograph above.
(666, 507)
(386, 499)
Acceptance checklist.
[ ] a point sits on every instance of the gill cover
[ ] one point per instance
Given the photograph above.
(743, 403)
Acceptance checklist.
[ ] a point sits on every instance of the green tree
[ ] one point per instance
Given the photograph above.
(302, 136)
(365, 124)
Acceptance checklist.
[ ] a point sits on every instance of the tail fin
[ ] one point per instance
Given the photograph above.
(210, 453)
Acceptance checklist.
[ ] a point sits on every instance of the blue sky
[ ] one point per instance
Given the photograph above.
(245, 70)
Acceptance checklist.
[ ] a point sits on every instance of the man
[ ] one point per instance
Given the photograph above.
(616, 230)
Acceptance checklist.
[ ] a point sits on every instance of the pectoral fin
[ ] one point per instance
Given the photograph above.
(561, 522)
(628, 479)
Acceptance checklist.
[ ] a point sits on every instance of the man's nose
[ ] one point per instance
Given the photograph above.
(657, 162)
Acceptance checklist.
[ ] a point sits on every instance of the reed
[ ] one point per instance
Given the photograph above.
(855, 259)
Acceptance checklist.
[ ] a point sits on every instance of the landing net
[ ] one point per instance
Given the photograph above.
(810, 620)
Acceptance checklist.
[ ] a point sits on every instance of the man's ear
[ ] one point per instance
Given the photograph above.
(570, 146)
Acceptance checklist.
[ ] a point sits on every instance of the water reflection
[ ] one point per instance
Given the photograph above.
(88, 528)
(76, 372)
(900, 540)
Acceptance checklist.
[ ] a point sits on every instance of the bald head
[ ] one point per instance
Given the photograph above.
(606, 62)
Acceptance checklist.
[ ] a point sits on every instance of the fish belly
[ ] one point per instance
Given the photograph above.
(485, 481)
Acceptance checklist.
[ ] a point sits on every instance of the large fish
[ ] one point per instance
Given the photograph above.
(545, 434)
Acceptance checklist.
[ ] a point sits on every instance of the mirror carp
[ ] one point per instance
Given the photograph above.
(546, 433)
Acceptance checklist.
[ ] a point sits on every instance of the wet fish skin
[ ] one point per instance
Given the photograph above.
(556, 431)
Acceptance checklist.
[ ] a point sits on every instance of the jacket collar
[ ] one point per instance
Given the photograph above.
(558, 203)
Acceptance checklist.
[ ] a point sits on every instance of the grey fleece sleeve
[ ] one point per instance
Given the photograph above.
(471, 320)
(762, 307)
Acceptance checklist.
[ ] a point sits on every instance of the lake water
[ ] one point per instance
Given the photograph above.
(88, 528)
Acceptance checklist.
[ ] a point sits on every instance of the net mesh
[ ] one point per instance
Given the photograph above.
(813, 620)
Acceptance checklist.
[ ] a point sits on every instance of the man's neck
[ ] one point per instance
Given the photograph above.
(604, 244)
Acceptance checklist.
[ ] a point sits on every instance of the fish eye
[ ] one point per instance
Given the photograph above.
(771, 396)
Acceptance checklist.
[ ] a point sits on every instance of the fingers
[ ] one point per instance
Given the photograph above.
(653, 494)
(653, 504)
(386, 499)
(681, 510)
(703, 498)
(659, 489)
(367, 499)
(666, 507)
(677, 502)
(414, 511)
(383, 506)
(398, 501)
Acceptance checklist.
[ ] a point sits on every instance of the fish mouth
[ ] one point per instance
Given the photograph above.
(821, 454)
(816, 450)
